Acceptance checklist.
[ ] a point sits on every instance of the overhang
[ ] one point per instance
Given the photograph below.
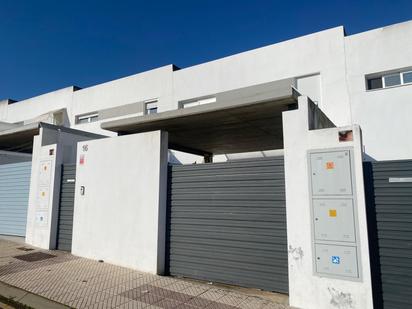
(241, 120)
(19, 139)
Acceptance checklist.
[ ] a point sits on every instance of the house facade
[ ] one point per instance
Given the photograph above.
(111, 172)
(360, 79)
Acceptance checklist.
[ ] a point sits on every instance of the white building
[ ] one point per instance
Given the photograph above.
(336, 71)
(315, 107)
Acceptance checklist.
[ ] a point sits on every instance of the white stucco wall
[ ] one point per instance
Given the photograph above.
(153, 84)
(36, 106)
(40, 228)
(51, 148)
(307, 290)
(121, 217)
(384, 114)
(321, 52)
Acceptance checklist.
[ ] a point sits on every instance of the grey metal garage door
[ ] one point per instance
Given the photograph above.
(65, 225)
(389, 193)
(227, 223)
(14, 197)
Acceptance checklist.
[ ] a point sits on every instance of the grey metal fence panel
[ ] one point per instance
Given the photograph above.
(66, 209)
(227, 223)
(390, 197)
(14, 197)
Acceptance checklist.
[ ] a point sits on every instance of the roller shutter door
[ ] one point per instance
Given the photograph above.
(389, 194)
(227, 223)
(65, 225)
(14, 197)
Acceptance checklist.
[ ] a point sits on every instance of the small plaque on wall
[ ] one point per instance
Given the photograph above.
(45, 173)
(41, 218)
(43, 197)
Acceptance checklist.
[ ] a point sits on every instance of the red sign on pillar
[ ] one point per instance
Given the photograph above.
(81, 159)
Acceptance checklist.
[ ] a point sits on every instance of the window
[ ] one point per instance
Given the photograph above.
(198, 102)
(392, 80)
(87, 118)
(151, 108)
(407, 77)
(58, 119)
(375, 83)
(389, 80)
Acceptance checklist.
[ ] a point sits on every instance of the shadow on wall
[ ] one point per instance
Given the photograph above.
(373, 236)
(368, 158)
(317, 118)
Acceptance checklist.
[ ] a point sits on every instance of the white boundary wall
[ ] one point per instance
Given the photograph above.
(51, 148)
(121, 218)
(307, 290)
(43, 186)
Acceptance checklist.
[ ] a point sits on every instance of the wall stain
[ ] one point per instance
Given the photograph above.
(296, 253)
(341, 300)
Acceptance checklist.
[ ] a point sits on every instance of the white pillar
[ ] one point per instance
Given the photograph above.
(306, 288)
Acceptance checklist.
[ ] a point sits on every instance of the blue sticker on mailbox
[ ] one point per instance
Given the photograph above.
(335, 259)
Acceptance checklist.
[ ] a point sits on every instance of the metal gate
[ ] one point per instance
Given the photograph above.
(66, 208)
(227, 223)
(14, 197)
(389, 195)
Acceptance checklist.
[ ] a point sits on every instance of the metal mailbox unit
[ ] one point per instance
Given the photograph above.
(335, 235)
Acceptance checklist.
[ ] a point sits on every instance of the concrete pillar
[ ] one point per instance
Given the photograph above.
(307, 289)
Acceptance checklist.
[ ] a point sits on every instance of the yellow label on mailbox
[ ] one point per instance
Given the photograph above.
(330, 165)
(332, 212)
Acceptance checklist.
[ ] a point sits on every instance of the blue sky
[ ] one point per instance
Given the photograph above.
(47, 45)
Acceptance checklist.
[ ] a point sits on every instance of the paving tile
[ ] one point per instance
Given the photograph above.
(89, 300)
(216, 305)
(104, 285)
(117, 290)
(132, 276)
(195, 290)
(111, 302)
(161, 291)
(232, 298)
(181, 297)
(136, 293)
(214, 294)
(252, 303)
(65, 298)
(198, 302)
(139, 282)
(101, 305)
(186, 306)
(168, 303)
(150, 298)
(133, 304)
(84, 283)
(271, 305)
(164, 281)
(178, 286)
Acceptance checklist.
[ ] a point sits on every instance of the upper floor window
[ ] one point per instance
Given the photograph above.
(151, 107)
(197, 102)
(87, 118)
(58, 118)
(389, 80)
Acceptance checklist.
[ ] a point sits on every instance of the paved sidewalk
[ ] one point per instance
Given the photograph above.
(83, 283)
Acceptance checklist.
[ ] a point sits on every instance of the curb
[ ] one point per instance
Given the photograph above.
(21, 299)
